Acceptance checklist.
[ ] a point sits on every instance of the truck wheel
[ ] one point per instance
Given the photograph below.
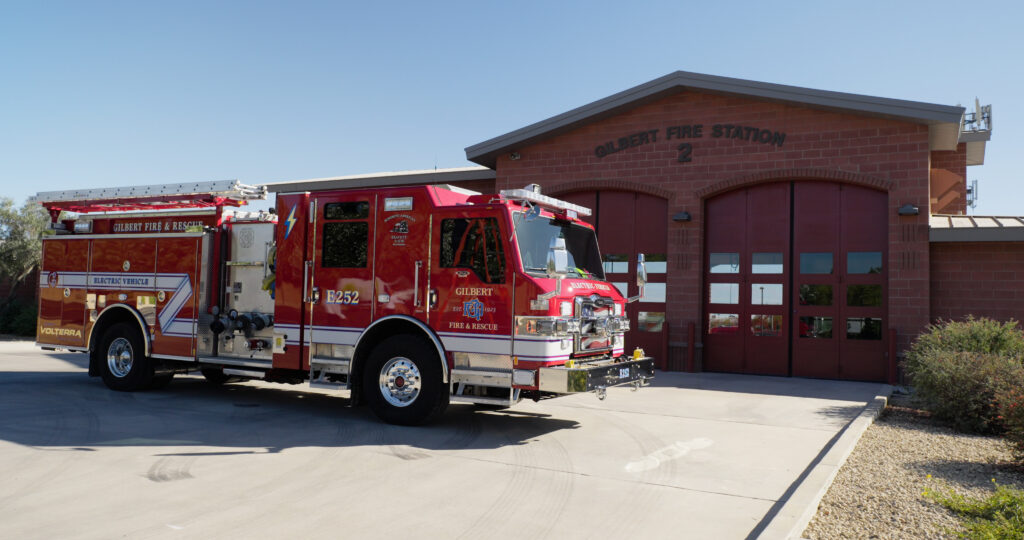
(402, 381)
(123, 362)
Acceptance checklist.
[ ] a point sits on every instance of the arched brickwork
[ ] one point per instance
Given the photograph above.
(595, 185)
(794, 174)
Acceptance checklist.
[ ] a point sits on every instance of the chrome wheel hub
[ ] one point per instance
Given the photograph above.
(400, 382)
(120, 357)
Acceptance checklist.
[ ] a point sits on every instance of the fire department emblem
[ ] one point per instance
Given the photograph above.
(402, 227)
(474, 309)
(51, 279)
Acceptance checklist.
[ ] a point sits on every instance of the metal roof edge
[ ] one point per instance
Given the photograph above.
(428, 176)
(973, 228)
(975, 136)
(926, 113)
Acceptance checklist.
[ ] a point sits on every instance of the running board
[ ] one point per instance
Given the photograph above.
(320, 368)
(245, 373)
(484, 400)
(243, 362)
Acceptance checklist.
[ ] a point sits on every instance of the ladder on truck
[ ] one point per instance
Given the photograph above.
(151, 197)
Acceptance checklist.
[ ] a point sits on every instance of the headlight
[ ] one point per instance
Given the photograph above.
(565, 309)
(618, 309)
(546, 326)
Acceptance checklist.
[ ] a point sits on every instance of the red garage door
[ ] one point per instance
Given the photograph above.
(627, 224)
(795, 281)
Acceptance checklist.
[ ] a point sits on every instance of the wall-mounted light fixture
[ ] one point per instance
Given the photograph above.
(682, 217)
(514, 156)
(908, 210)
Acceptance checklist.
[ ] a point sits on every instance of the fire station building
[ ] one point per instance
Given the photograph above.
(787, 231)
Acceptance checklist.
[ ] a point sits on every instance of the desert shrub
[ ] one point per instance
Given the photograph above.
(961, 387)
(969, 335)
(1011, 412)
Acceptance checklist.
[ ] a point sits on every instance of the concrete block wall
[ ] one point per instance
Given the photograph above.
(984, 279)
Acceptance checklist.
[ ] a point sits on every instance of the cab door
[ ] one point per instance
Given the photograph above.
(471, 280)
(341, 294)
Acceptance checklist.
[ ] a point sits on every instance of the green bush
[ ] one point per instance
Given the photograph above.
(998, 516)
(19, 318)
(959, 368)
(961, 387)
(969, 335)
(1011, 413)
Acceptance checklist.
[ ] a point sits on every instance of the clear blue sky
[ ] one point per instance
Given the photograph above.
(98, 94)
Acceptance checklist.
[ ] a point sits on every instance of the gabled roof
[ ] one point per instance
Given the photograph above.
(944, 120)
(400, 178)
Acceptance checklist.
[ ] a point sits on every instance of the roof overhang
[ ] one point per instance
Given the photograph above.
(401, 178)
(943, 228)
(943, 120)
(975, 141)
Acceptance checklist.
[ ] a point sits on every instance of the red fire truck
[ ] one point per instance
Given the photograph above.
(410, 297)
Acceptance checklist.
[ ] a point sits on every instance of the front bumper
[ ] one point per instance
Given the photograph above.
(595, 376)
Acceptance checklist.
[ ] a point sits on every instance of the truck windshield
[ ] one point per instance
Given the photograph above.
(534, 239)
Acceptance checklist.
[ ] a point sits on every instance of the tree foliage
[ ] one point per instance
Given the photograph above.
(20, 244)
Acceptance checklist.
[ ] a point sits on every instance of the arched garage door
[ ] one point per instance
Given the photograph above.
(795, 281)
(629, 223)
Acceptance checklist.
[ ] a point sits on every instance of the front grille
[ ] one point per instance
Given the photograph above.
(596, 324)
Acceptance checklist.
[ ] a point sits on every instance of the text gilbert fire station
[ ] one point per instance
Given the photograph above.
(411, 297)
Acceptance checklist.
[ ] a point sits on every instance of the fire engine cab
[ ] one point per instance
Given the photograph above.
(410, 297)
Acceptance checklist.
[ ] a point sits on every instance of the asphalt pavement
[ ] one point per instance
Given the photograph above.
(692, 456)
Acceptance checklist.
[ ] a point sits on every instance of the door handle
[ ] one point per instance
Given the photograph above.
(432, 299)
(314, 296)
(416, 285)
(305, 281)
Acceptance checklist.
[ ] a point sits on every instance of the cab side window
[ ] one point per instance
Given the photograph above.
(345, 242)
(475, 244)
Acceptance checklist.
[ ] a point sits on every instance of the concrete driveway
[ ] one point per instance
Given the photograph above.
(693, 456)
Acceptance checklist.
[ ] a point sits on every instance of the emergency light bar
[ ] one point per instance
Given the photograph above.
(544, 201)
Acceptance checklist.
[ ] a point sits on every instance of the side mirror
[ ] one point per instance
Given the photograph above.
(641, 277)
(558, 258)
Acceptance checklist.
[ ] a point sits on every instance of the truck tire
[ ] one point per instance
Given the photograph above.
(124, 365)
(402, 381)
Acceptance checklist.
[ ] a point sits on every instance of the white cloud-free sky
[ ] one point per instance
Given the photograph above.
(99, 94)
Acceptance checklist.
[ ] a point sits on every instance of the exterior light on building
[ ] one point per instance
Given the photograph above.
(908, 210)
(682, 217)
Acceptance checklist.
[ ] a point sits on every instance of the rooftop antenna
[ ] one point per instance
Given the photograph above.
(972, 194)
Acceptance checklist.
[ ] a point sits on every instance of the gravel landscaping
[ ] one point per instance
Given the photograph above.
(878, 492)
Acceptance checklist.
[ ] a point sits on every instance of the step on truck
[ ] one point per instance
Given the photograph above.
(410, 297)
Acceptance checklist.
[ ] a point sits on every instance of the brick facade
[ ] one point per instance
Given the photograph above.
(889, 155)
(984, 279)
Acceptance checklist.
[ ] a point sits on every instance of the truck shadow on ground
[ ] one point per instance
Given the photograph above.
(62, 410)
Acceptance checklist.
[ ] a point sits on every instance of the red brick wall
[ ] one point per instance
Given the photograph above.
(883, 153)
(984, 279)
(949, 181)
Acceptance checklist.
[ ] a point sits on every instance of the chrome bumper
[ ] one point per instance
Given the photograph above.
(595, 376)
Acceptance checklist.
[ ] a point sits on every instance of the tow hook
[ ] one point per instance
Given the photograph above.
(602, 393)
(636, 385)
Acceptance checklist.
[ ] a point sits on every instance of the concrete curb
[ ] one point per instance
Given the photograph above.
(798, 510)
